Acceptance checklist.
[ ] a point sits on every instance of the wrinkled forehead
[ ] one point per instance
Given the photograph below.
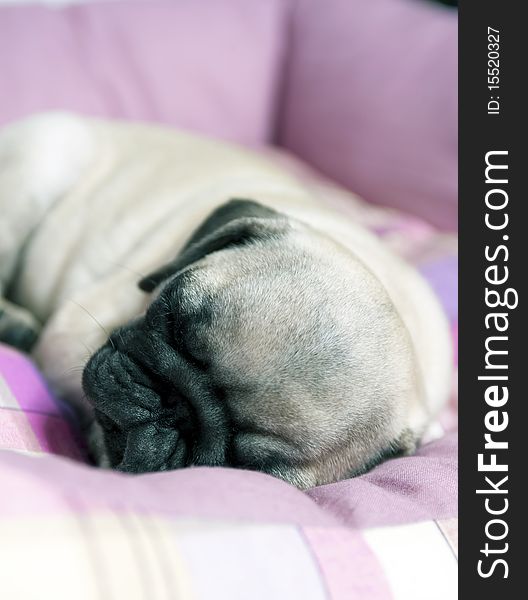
(255, 311)
(257, 279)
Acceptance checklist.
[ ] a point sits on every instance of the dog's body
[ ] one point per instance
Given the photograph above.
(321, 351)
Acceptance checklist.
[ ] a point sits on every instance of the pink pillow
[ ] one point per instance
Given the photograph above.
(201, 65)
(371, 100)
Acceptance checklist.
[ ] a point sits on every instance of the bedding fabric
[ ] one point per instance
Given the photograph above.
(365, 91)
(205, 66)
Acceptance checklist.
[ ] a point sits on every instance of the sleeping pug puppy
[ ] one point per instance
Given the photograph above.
(198, 306)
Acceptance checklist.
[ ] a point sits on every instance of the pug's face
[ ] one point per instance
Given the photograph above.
(266, 346)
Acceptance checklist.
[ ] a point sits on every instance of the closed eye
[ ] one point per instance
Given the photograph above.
(259, 449)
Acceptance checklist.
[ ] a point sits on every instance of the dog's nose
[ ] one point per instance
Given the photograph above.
(119, 388)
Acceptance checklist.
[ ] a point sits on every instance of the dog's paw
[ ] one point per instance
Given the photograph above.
(18, 327)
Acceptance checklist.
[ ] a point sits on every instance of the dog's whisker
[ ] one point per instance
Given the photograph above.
(95, 321)
(89, 351)
(126, 268)
(74, 370)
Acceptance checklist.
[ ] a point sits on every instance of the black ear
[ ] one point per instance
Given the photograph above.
(235, 222)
